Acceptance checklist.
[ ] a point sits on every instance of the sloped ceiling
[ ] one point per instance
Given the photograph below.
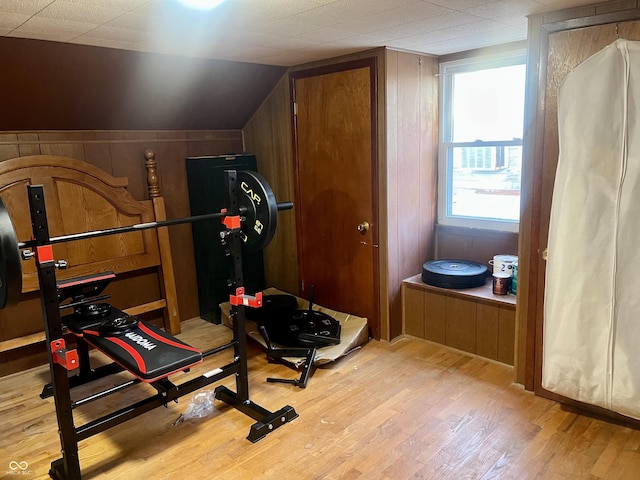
(276, 32)
(57, 86)
(155, 64)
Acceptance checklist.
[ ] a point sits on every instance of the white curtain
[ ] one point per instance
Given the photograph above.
(591, 346)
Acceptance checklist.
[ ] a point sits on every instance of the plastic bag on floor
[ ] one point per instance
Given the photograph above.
(201, 405)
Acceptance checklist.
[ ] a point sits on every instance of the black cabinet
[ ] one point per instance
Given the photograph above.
(205, 177)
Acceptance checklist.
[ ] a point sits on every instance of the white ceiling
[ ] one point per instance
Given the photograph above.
(276, 32)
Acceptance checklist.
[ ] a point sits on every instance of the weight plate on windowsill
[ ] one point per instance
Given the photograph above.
(454, 273)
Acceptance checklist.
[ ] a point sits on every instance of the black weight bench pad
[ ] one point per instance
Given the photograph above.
(146, 351)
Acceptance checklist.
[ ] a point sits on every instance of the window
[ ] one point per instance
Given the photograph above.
(482, 117)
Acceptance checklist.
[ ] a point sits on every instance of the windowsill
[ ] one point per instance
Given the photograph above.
(483, 293)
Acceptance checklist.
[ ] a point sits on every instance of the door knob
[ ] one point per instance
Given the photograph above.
(363, 227)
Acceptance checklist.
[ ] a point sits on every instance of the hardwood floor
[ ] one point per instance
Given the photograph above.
(407, 410)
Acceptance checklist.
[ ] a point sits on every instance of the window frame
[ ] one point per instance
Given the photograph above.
(445, 149)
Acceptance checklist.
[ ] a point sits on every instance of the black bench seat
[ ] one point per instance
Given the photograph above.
(145, 350)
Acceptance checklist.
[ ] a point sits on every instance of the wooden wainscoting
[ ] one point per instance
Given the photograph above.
(472, 319)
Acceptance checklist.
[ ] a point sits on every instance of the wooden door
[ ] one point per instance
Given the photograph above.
(565, 51)
(336, 191)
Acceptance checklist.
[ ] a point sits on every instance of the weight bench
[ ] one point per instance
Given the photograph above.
(138, 347)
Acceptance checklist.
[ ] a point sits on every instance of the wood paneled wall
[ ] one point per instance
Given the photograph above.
(410, 166)
(473, 244)
(120, 153)
(407, 146)
(268, 135)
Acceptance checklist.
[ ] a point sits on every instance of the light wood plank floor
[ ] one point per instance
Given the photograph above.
(407, 410)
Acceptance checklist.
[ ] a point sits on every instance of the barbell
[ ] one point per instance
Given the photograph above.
(258, 220)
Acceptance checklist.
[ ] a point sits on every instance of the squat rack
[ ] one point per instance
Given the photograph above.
(63, 360)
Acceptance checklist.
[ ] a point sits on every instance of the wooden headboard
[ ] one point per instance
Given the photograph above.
(79, 198)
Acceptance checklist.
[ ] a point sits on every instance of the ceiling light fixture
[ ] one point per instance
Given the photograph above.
(201, 4)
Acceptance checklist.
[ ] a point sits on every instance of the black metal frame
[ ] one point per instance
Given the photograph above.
(62, 360)
(278, 354)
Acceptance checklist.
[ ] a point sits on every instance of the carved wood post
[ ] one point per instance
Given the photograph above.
(153, 182)
(167, 277)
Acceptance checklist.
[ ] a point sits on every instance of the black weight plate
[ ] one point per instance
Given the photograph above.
(454, 273)
(10, 263)
(274, 308)
(256, 196)
(279, 303)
